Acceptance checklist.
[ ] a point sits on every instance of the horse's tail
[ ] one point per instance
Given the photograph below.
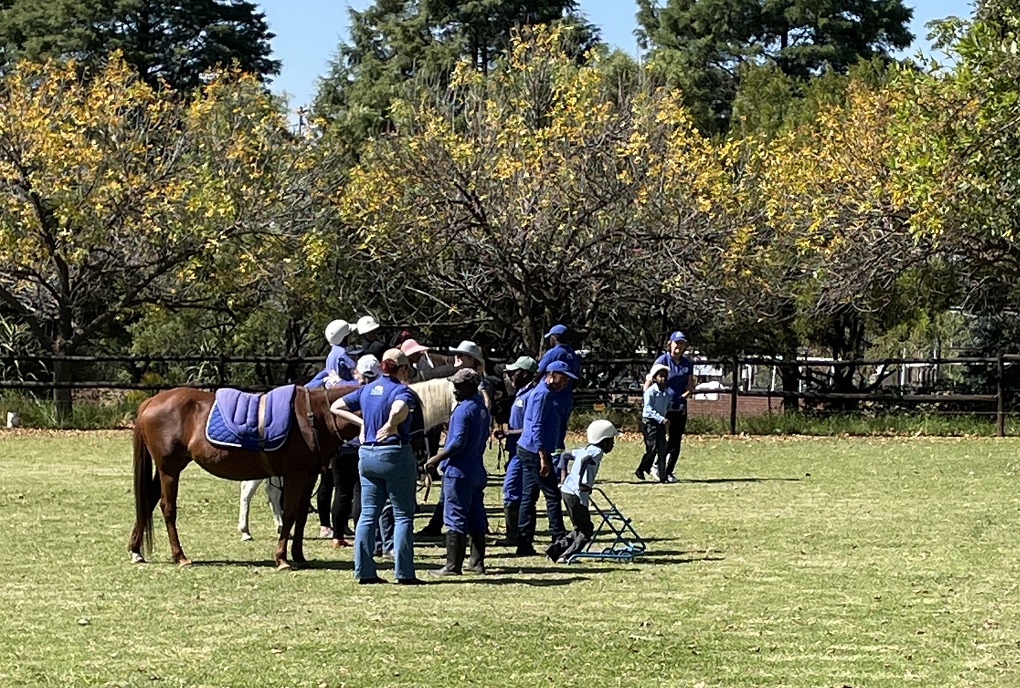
(144, 481)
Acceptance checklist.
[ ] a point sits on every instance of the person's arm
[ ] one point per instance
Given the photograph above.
(692, 383)
(455, 439)
(340, 409)
(318, 380)
(586, 467)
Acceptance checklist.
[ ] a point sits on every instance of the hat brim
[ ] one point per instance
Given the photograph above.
(366, 330)
(416, 350)
(461, 352)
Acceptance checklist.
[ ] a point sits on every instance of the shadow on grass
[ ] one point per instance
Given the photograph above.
(313, 564)
(668, 556)
(749, 479)
(490, 579)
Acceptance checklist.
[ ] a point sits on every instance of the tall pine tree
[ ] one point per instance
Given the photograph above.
(167, 41)
(702, 45)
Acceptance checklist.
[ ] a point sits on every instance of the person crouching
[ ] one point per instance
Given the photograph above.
(577, 487)
(464, 476)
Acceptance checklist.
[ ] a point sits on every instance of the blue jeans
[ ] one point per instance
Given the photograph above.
(531, 483)
(386, 471)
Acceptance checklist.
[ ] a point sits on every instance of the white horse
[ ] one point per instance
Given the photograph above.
(437, 403)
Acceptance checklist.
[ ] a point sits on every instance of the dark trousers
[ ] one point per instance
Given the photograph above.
(531, 483)
(677, 426)
(575, 541)
(324, 497)
(654, 433)
(346, 482)
(579, 515)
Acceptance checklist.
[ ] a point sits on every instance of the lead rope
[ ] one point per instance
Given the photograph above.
(311, 422)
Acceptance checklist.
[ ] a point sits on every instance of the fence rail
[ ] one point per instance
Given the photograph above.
(616, 381)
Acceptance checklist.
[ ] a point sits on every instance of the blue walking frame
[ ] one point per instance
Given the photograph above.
(626, 543)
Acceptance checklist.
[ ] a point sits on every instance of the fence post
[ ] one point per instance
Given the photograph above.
(734, 391)
(1000, 415)
(221, 370)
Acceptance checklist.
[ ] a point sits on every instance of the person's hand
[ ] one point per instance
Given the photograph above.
(384, 431)
(499, 434)
(665, 421)
(432, 462)
(545, 467)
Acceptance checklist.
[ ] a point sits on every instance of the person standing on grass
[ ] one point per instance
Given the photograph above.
(577, 485)
(387, 465)
(521, 374)
(681, 383)
(464, 477)
(654, 423)
(539, 439)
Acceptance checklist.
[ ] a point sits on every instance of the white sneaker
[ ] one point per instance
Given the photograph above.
(655, 473)
(672, 479)
(325, 533)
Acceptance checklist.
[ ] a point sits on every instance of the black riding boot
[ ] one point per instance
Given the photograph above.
(476, 563)
(456, 546)
(511, 512)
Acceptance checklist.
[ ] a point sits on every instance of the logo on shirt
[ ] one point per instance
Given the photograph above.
(376, 391)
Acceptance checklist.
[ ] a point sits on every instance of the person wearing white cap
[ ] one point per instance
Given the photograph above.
(654, 423)
(577, 485)
(368, 325)
(339, 365)
(681, 384)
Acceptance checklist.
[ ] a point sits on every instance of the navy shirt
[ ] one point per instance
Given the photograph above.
(338, 360)
(516, 421)
(679, 377)
(465, 439)
(374, 400)
(542, 420)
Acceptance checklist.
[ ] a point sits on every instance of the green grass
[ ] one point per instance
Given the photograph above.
(780, 562)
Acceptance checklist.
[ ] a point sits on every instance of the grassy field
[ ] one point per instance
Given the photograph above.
(777, 562)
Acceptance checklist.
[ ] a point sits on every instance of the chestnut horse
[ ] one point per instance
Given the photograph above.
(170, 433)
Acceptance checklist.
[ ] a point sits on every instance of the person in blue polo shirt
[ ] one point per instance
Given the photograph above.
(339, 365)
(387, 465)
(460, 459)
(561, 350)
(540, 437)
(681, 383)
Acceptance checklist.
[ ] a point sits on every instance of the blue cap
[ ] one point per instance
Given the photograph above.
(677, 336)
(560, 367)
(556, 329)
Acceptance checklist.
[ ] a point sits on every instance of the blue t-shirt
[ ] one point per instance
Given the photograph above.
(542, 420)
(374, 400)
(679, 377)
(465, 439)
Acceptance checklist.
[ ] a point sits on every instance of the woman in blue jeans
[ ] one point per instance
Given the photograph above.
(386, 464)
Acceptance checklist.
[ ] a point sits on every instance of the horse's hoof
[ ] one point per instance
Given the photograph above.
(184, 562)
(137, 558)
(284, 567)
(246, 537)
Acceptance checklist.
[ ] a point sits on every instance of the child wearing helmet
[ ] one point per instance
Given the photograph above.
(577, 484)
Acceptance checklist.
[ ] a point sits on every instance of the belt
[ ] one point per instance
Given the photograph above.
(387, 443)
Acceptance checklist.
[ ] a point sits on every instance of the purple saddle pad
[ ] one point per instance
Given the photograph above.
(234, 419)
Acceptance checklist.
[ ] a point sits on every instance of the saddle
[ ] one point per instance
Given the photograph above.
(254, 422)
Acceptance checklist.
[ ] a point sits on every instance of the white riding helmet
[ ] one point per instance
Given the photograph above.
(600, 430)
(337, 331)
(366, 324)
(471, 349)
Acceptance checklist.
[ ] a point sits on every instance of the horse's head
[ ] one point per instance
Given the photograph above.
(320, 399)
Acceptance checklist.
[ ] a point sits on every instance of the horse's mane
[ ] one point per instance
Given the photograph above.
(437, 400)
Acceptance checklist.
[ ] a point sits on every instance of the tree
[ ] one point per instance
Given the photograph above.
(176, 43)
(119, 196)
(393, 42)
(529, 197)
(703, 45)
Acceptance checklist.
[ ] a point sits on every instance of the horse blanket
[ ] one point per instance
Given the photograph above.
(256, 422)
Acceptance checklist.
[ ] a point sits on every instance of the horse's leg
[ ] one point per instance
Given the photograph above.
(291, 501)
(248, 489)
(274, 492)
(297, 547)
(151, 497)
(169, 506)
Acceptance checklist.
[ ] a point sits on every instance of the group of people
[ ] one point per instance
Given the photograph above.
(382, 480)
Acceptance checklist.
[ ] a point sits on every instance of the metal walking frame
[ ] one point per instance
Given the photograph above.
(626, 543)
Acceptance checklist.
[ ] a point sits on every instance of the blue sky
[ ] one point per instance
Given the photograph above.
(308, 32)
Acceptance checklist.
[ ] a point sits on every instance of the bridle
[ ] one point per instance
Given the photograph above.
(310, 415)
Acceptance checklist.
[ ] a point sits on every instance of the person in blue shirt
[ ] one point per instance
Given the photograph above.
(387, 465)
(339, 365)
(681, 383)
(521, 375)
(464, 477)
(654, 423)
(540, 437)
(560, 349)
